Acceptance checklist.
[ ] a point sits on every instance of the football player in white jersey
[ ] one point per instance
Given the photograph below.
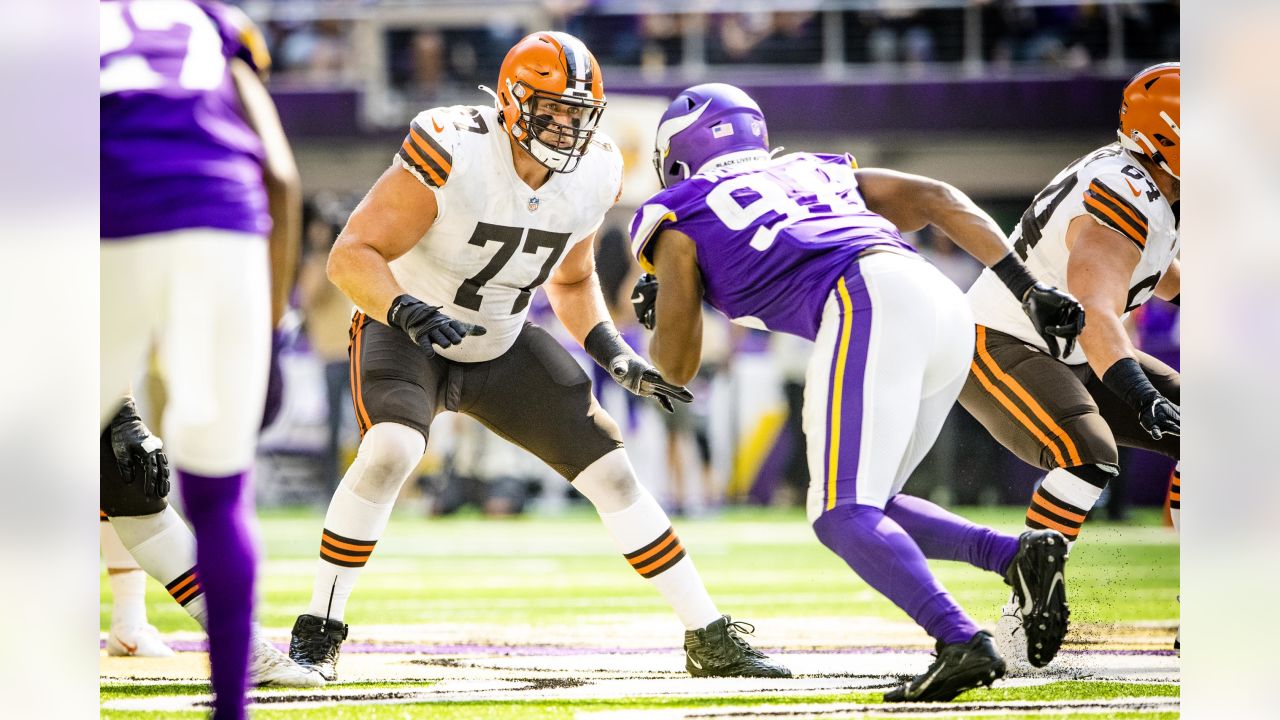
(141, 531)
(480, 207)
(1106, 228)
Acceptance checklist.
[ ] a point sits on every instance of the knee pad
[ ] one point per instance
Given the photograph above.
(610, 483)
(388, 454)
(118, 498)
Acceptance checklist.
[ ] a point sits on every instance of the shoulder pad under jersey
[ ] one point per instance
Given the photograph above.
(428, 149)
(1121, 199)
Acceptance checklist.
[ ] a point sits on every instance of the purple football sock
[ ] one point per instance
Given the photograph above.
(226, 563)
(942, 535)
(886, 557)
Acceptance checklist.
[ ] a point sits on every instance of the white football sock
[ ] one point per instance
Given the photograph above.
(1062, 502)
(165, 548)
(643, 533)
(359, 512)
(128, 597)
(128, 582)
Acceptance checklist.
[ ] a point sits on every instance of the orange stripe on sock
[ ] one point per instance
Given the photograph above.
(1052, 507)
(1069, 532)
(1026, 398)
(182, 587)
(326, 552)
(190, 593)
(347, 546)
(658, 563)
(639, 560)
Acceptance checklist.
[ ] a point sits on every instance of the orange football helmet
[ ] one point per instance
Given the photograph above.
(1149, 115)
(546, 77)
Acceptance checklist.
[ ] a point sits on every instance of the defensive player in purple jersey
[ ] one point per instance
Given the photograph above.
(809, 245)
(200, 215)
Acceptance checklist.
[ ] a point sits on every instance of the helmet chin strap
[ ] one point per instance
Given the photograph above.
(489, 90)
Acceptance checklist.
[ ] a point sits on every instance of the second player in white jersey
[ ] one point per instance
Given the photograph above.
(1110, 186)
(494, 240)
(1106, 228)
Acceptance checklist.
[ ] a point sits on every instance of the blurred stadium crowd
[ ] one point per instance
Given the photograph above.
(312, 40)
(741, 442)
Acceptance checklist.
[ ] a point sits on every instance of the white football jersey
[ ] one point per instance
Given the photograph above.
(494, 240)
(1108, 185)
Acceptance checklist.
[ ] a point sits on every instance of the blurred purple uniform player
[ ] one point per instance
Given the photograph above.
(199, 206)
(809, 245)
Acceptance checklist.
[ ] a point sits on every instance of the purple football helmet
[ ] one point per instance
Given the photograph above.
(703, 123)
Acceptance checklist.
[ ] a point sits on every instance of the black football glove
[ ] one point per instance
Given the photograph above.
(636, 375)
(1156, 413)
(1161, 417)
(1055, 314)
(643, 299)
(426, 326)
(138, 453)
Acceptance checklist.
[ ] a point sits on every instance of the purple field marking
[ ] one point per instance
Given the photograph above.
(556, 650)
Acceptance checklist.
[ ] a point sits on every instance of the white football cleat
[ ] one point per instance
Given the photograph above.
(1010, 640)
(137, 641)
(269, 666)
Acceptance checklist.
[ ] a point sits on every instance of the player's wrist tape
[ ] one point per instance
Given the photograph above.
(1126, 379)
(1014, 275)
(604, 343)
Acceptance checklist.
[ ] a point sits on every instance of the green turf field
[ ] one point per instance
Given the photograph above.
(558, 581)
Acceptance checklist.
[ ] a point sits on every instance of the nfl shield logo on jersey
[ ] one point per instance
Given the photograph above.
(534, 203)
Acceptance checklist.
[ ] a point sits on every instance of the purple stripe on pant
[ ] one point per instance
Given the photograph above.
(846, 388)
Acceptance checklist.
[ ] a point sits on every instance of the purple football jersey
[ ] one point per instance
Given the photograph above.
(175, 150)
(771, 240)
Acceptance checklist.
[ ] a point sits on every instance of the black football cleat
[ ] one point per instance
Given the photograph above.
(956, 668)
(1040, 591)
(316, 643)
(717, 650)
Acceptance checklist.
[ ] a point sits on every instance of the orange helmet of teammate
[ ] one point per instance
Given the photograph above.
(1149, 116)
(551, 97)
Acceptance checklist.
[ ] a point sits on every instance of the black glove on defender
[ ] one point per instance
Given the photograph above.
(644, 298)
